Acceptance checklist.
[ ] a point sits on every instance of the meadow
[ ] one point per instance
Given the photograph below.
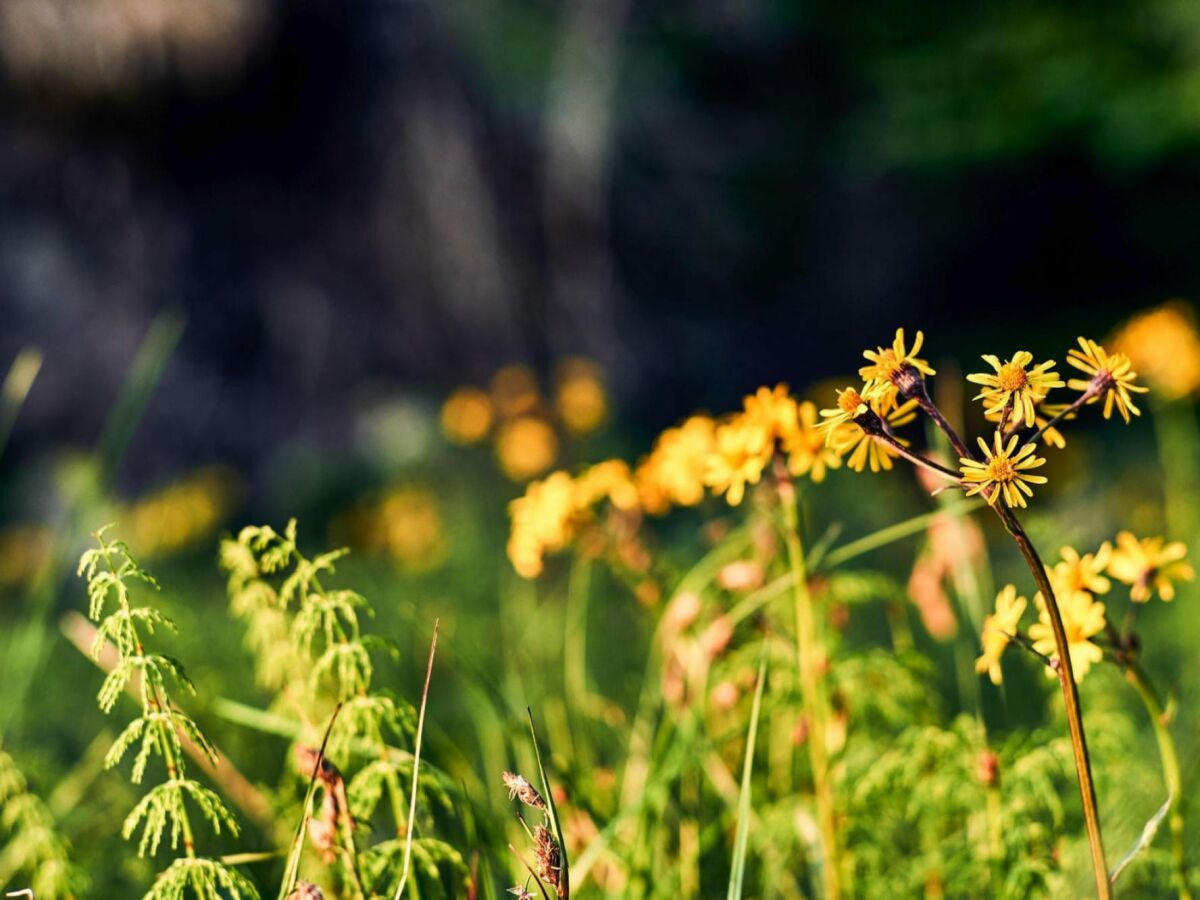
(914, 634)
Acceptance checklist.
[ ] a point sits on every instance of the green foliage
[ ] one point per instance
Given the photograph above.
(32, 845)
(161, 729)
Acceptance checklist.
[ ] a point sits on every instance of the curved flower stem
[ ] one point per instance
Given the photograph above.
(1074, 407)
(1070, 692)
(1066, 676)
(917, 460)
(811, 656)
(1170, 767)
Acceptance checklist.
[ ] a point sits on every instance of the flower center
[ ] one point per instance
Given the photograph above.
(888, 364)
(1011, 377)
(849, 401)
(1001, 469)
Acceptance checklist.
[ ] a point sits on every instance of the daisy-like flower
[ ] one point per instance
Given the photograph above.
(1015, 382)
(998, 628)
(890, 365)
(850, 405)
(1149, 565)
(805, 445)
(1004, 472)
(675, 469)
(1110, 375)
(773, 409)
(1083, 617)
(1081, 573)
(742, 450)
(862, 448)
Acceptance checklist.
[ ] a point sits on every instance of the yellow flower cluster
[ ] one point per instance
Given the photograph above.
(405, 523)
(722, 455)
(522, 421)
(1079, 580)
(1164, 345)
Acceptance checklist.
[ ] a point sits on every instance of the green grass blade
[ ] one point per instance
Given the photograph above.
(551, 808)
(892, 533)
(17, 385)
(737, 873)
(292, 870)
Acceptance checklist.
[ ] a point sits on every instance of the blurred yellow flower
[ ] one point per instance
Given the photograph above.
(467, 416)
(771, 409)
(678, 463)
(886, 363)
(805, 445)
(526, 447)
(179, 515)
(1110, 375)
(542, 522)
(609, 480)
(1005, 471)
(1017, 383)
(514, 391)
(862, 449)
(23, 550)
(1149, 565)
(1081, 573)
(411, 528)
(743, 449)
(1164, 346)
(1083, 617)
(998, 628)
(581, 400)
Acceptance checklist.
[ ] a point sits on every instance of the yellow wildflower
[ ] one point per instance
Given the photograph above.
(805, 446)
(1041, 418)
(772, 409)
(743, 449)
(1081, 573)
(1017, 383)
(1083, 617)
(887, 363)
(542, 521)
(1164, 345)
(526, 446)
(1149, 565)
(580, 399)
(1005, 471)
(679, 461)
(998, 628)
(609, 480)
(850, 405)
(862, 449)
(1110, 375)
(467, 416)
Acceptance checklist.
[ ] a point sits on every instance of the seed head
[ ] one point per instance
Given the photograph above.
(519, 788)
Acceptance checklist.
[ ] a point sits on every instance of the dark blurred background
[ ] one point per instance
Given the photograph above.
(347, 200)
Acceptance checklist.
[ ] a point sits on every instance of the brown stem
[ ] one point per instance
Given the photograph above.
(1073, 408)
(1066, 676)
(1070, 692)
(917, 460)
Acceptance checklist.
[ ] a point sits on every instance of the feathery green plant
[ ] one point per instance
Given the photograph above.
(31, 843)
(307, 639)
(159, 731)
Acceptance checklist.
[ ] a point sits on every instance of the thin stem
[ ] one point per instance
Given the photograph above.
(1073, 408)
(811, 655)
(917, 460)
(1066, 675)
(1070, 692)
(412, 806)
(1170, 768)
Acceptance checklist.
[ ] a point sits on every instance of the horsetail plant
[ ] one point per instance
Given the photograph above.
(318, 656)
(166, 809)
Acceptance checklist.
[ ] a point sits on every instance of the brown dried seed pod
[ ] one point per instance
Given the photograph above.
(549, 859)
(518, 787)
